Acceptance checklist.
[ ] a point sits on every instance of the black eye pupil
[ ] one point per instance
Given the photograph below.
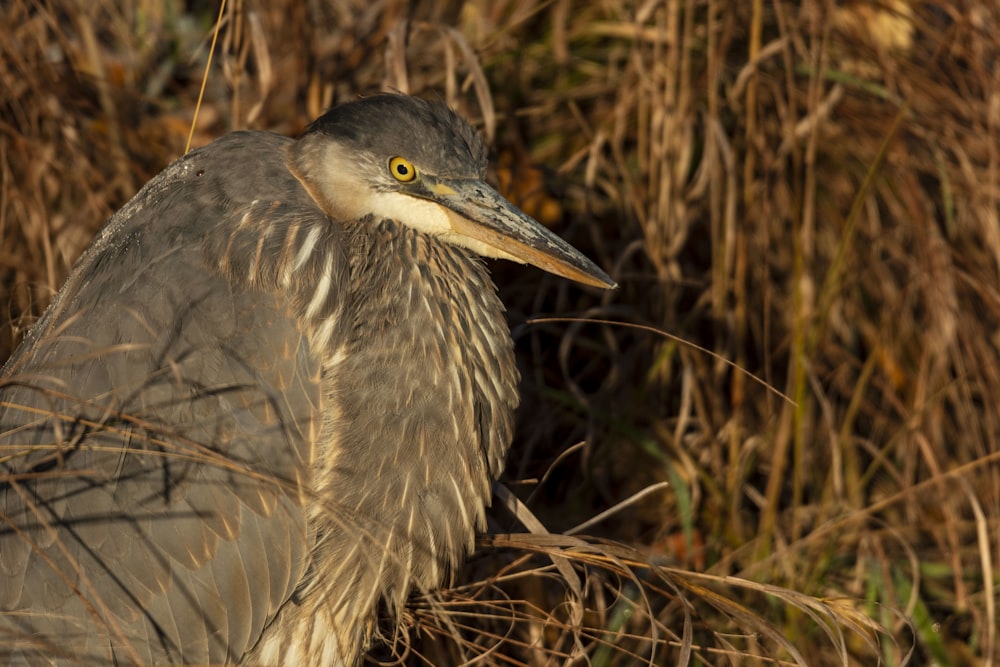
(402, 170)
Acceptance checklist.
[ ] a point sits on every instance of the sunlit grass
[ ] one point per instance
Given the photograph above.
(806, 191)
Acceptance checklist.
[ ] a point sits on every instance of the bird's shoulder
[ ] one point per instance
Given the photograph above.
(157, 425)
(206, 186)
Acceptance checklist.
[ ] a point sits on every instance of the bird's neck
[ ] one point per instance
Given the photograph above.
(419, 395)
(424, 392)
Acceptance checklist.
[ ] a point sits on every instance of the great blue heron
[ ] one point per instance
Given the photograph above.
(274, 391)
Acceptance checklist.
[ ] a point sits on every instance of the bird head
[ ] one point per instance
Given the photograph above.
(419, 163)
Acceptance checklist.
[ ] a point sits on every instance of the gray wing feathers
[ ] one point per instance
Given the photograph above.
(154, 452)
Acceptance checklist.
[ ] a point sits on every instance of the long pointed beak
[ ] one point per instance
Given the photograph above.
(479, 212)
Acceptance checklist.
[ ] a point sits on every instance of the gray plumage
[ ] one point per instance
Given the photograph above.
(275, 390)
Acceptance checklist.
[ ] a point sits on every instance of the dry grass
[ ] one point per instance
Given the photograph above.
(803, 195)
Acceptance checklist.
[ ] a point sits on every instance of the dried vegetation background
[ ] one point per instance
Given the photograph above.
(790, 406)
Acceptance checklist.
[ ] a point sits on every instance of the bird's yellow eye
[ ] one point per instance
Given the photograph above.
(402, 169)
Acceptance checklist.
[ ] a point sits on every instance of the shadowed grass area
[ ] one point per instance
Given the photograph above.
(800, 203)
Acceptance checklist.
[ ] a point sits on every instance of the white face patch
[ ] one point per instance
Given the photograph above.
(430, 218)
(420, 214)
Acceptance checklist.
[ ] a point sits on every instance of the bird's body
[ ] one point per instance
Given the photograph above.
(257, 408)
